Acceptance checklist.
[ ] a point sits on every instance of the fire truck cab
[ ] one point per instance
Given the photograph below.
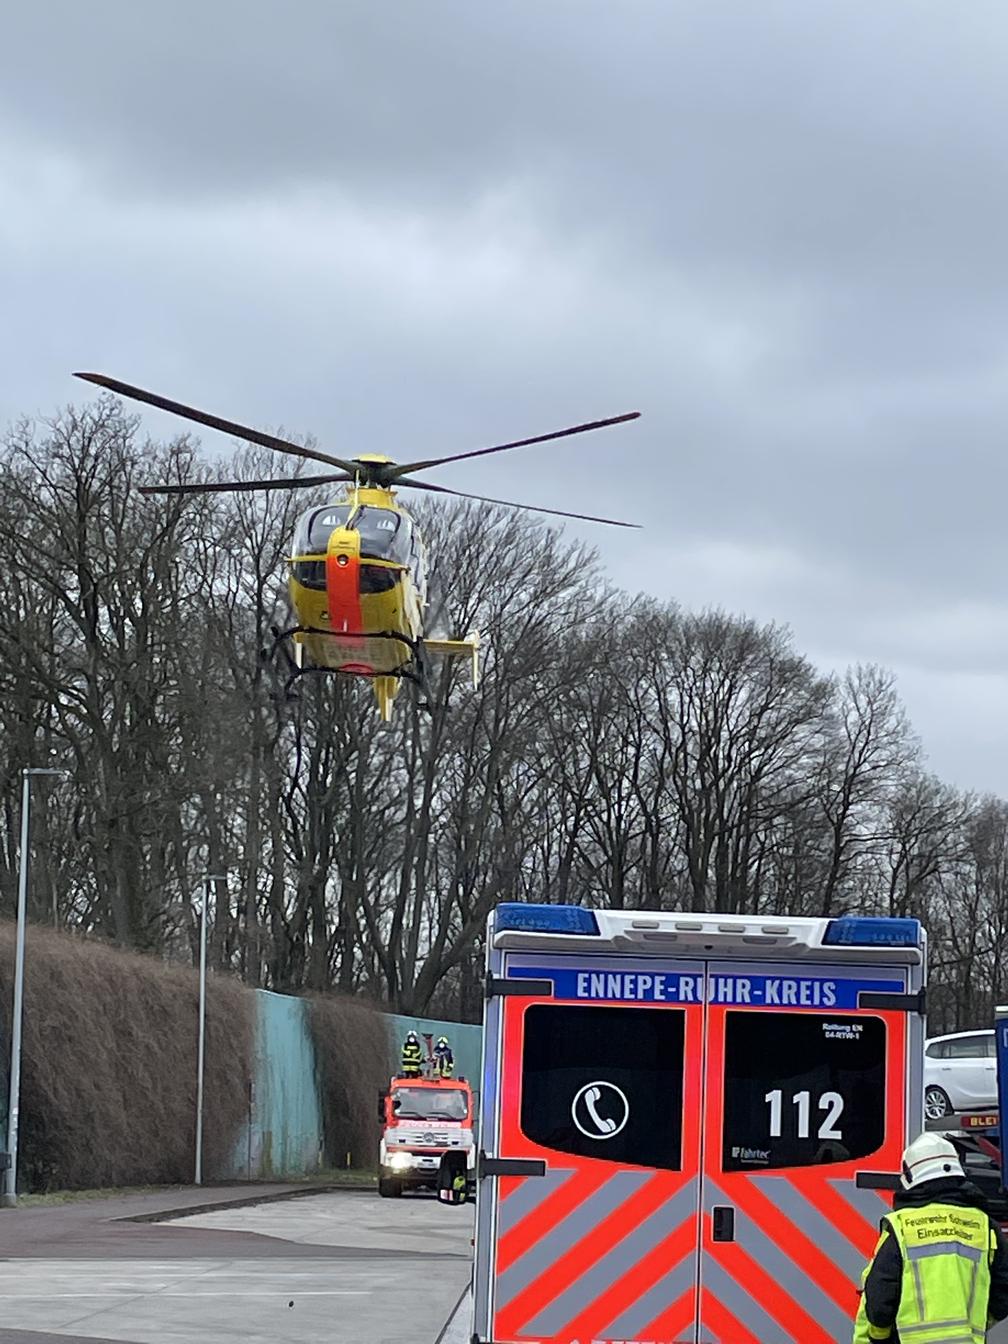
(690, 1123)
(422, 1120)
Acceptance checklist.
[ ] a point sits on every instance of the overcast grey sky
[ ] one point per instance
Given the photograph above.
(776, 227)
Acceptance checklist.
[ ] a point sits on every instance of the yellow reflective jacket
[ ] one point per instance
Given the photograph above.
(944, 1252)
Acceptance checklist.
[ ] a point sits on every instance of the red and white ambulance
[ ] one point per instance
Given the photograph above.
(690, 1123)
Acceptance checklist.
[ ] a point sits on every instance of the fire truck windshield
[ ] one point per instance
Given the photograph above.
(423, 1103)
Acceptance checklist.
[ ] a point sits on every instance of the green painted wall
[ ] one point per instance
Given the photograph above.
(284, 1134)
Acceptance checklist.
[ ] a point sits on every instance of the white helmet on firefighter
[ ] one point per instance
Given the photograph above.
(930, 1158)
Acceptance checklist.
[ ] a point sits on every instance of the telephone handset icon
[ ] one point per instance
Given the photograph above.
(602, 1122)
(589, 1119)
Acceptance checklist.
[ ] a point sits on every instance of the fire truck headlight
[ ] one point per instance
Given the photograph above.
(400, 1161)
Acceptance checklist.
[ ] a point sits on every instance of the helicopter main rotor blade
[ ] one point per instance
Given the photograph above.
(225, 487)
(400, 471)
(214, 421)
(510, 504)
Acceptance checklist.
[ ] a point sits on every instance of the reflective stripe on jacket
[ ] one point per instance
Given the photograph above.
(946, 1252)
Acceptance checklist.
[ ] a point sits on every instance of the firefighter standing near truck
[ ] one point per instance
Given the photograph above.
(444, 1060)
(412, 1056)
(940, 1270)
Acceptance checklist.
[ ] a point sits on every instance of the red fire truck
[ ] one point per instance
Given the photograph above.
(422, 1120)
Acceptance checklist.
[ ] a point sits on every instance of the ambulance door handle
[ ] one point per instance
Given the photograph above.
(724, 1222)
(509, 1166)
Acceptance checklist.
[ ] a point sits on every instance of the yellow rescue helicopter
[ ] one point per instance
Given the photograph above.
(358, 577)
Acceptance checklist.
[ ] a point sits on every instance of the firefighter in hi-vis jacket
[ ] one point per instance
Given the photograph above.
(412, 1056)
(940, 1269)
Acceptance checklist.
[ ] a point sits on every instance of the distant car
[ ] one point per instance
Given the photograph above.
(960, 1073)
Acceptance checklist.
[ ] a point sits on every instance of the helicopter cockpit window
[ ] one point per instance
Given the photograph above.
(385, 535)
(311, 536)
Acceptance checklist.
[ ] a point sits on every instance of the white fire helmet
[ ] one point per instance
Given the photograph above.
(930, 1158)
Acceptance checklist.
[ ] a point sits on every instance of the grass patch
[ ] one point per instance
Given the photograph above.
(54, 1197)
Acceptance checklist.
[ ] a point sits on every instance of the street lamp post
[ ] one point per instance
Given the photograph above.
(201, 1051)
(8, 1199)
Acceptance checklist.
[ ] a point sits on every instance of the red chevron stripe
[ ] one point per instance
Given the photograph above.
(676, 1322)
(795, 1322)
(545, 1216)
(845, 1218)
(596, 1243)
(626, 1291)
(719, 1325)
(791, 1241)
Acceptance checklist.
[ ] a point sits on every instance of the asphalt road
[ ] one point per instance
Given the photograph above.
(343, 1267)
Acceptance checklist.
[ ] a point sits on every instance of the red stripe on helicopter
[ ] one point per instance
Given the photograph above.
(343, 596)
(343, 592)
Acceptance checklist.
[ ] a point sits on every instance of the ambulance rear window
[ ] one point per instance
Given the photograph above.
(802, 1089)
(605, 1083)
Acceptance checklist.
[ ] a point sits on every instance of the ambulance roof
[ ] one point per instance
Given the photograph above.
(574, 928)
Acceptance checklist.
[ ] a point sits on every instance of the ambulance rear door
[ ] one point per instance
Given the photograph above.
(589, 1206)
(806, 1087)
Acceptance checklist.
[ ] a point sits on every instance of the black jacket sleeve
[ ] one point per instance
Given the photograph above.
(883, 1284)
(997, 1305)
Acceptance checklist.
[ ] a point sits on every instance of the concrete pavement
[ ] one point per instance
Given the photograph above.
(336, 1268)
(344, 1268)
(99, 1228)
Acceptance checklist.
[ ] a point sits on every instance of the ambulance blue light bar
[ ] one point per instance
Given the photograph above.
(868, 931)
(521, 918)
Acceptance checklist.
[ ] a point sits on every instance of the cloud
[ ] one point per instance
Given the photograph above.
(776, 229)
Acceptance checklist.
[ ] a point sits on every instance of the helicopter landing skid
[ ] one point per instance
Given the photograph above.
(417, 674)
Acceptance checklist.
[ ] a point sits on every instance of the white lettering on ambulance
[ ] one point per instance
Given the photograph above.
(801, 993)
